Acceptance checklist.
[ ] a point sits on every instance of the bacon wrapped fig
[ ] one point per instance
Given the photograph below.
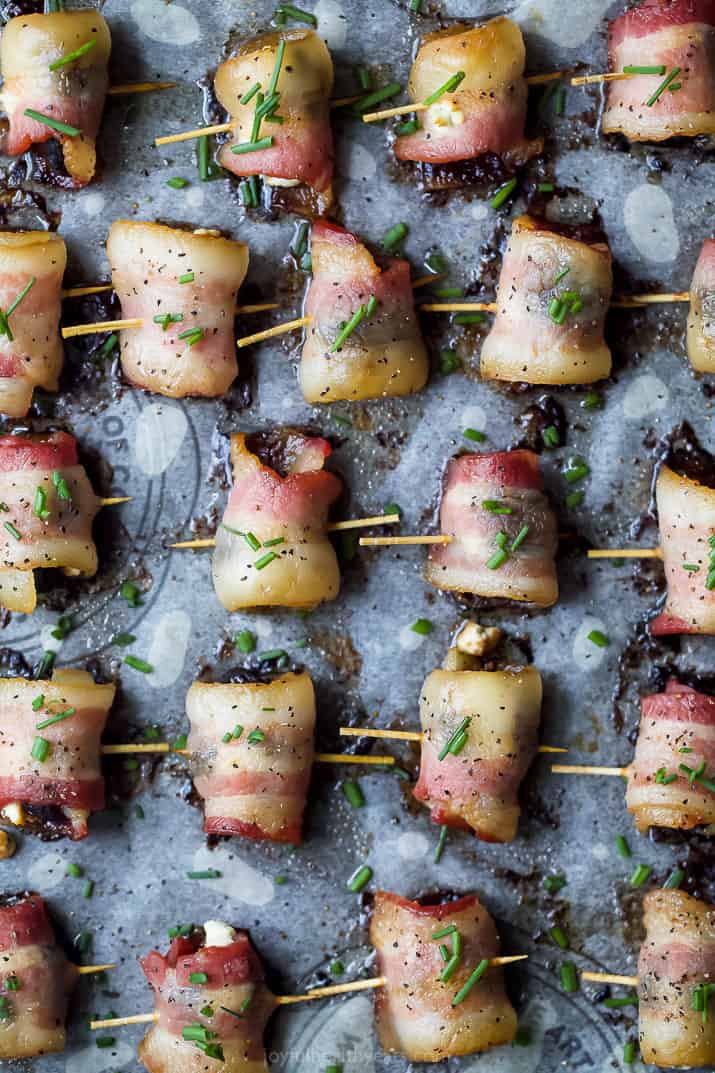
(676, 977)
(417, 1014)
(385, 353)
(32, 264)
(686, 517)
(70, 95)
(50, 732)
(294, 70)
(480, 735)
(252, 753)
(493, 553)
(272, 547)
(679, 36)
(182, 285)
(486, 112)
(671, 782)
(701, 322)
(212, 1004)
(36, 980)
(49, 507)
(552, 298)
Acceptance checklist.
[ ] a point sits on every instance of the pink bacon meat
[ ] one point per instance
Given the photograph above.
(414, 1011)
(676, 738)
(232, 986)
(686, 516)
(513, 479)
(253, 780)
(34, 1023)
(701, 322)
(385, 354)
(477, 787)
(272, 548)
(672, 34)
(69, 780)
(487, 110)
(73, 94)
(677, 957)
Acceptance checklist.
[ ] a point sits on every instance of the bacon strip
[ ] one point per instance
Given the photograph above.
(671, 33)
(291, 510)
(73, 94)
(678, 719)
(678, 954)
(33, 358)
(254, 788)
(686, 514)
(478, 787)
(414, 1011)
(235, 983)
(35, 1024)
(543, 265)
(302, 147)
(513, 478)
(70, 780)
(28, 542)
(385, 355)
(701, 322)
(487, 111)
(148, 262)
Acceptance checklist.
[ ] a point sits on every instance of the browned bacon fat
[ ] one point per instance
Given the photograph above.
(384, 354)
(676, 978)
(501, 555)
(291, 70)
(480, 734)
(418, 1014)
(701, 322)
(47, 520)
(686, 516)
(32, 264)
(671, 782)
(211, 1002)
(182, 285)
(252, 749)
(70, 93)
(50, 731)
(272, 547)
(553, 294)
(487, 109)
(35, 980)
(679, 37)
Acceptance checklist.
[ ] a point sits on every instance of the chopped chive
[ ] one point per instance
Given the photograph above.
(336, 968)
(272, 653)
(177, 183)
(297, 13)
(468, 318)
(349, 327)
(264, 560)
(251, 93)
(138, 664)
(674, 880)
(12, 530)
(63, 627)
(561, 275)
(630, 1050)
(454, 737)
(188, 277)
(245, 642)
(422, 626)
(640, 875)
(198, 978)
(360, 878)
(61, 485)
(519, 538)
(569, 977)
(252, 541)
(598, 638)
(108, 346)
(396, 235)
(38, 702)
(122, 639)
(474, 435)
(280, 881)
(410, 127)
(449, 292)
(207, 1011)
(53, 124)
(88, 889)
(12, 983)
(105, 1042)
(450, 968)
(554, 883)
(560, 937)
(522, 1037)
(227, 737)
(663, 778)
(435, 262)
(74, 870)
(139, 812)
(448, 362)
(252, 147)
(620, 1003)
(237, 731)
(624, 850)
(131, 593)
(659, 91)
(576, 469)
(498, 559)
(39, 507)
(574, 499)
(256, 737)
(447, 87)
(551, 437)
(191, 335)
(40, 750)
(439, 849)
(635, 69)
(60, 717)
(472, 980)
(353, 793)
(503, 194)
(208, 873)
(545, 188)
(592, 401)
(71, 56)
(300, 242)
(364, 78)
(376, 97)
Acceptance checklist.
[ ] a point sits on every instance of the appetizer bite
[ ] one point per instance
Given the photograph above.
(37, 980)
(425, 1011)
(49, 507)
(50, 732)
(252, 752)
(211, 1003)
(686, 517)
(54, 74)
(364, 340)
(676, 972)
(272, 546)
(552, 298)
(502, 529)
(32, 264)
(276, 90)
(674, 95)
(701, 322)
(670, 782)
(182, 287)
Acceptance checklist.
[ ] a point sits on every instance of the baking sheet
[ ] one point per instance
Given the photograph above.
(656, 205)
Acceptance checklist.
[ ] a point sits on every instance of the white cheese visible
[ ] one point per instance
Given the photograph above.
(218, 933)
(445, 114)
(272, 180)
(13, 813)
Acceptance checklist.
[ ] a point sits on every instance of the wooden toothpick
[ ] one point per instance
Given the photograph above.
(625, 553)
(334, 527)
(583, 769)
(138, 87)
(372, 542)
(414, 735)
